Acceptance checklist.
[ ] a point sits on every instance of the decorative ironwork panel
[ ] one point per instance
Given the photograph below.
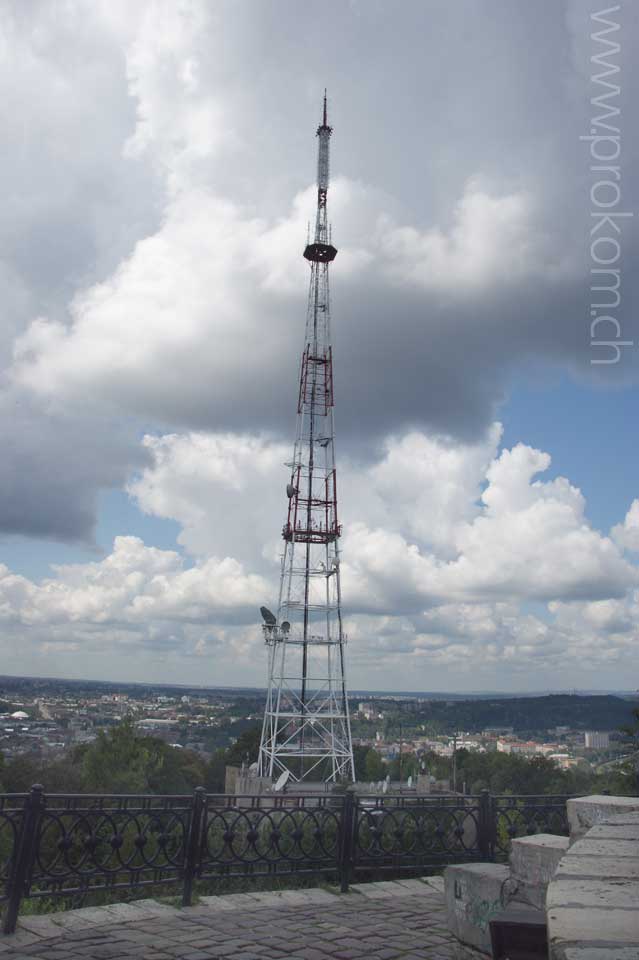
(64, 845)
(87, 843)
(408, 833)
(11, 814)
(521, 816)
(270, 836)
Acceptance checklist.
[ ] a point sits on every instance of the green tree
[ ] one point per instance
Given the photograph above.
(246, 748)
(628, 773)
(20, 773)
(214, 773)
(359, 758)
(63, 775)
(121, 761)
(374, 766)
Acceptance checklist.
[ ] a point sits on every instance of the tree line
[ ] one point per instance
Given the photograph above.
(123, 760)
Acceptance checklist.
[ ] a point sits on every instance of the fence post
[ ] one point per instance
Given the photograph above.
(193, 844)
(347, 840)
(21, 867)
(487, 827)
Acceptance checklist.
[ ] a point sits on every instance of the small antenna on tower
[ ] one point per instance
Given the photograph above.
(325, 117)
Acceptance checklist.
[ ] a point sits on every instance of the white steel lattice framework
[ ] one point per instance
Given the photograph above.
(306, 729)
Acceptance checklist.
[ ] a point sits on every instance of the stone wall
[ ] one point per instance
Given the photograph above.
(587, 812)
(588, 885)
(592, 906)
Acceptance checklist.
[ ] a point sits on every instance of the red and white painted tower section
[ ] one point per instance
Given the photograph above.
(306, 728)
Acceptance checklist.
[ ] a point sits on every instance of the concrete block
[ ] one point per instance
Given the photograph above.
(601, 925)
(533, 861)
(369, 890)
(23, 938)
(592, 899)
(42, 926)
(72, 920)
(586, 812)
(296, 898)
(609, 847)
(600, 953)
(594, 867)
(219, 903)
(267, 898)
(473, 896)
(607, 831)
(154, 906)
(124, 912)
(573, 891)
(239, 901)
(392, 886)
(316, 895)
(623, 819)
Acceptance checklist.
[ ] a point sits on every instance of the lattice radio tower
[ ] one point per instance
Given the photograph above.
(306, 728)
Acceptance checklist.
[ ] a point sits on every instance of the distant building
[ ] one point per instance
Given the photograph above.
(595, 740)
(519, 747)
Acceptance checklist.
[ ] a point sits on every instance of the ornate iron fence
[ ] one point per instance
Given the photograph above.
(71, 846)
(403, 833)
(517, 816)
(270, 836)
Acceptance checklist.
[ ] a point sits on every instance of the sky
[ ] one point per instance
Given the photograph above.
(158, 163)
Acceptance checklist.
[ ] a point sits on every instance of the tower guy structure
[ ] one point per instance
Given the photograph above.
(306, 730)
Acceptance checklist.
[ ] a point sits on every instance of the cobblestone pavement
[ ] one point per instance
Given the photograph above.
(379, 921)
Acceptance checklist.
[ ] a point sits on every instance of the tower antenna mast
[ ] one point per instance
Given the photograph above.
(306, 729)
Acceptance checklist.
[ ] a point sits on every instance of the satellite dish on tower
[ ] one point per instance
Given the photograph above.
(285, 626)
(269, 618)
(290, 491)
(281, 781)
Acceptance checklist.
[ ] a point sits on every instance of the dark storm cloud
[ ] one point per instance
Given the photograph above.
(52, 468)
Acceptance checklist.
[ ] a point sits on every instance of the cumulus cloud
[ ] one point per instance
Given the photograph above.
(424, 306)
(445, 548)
(528, 539)
(166, 335)
(212, 484)
(427, 520)
(135, 584)
(626, 534)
